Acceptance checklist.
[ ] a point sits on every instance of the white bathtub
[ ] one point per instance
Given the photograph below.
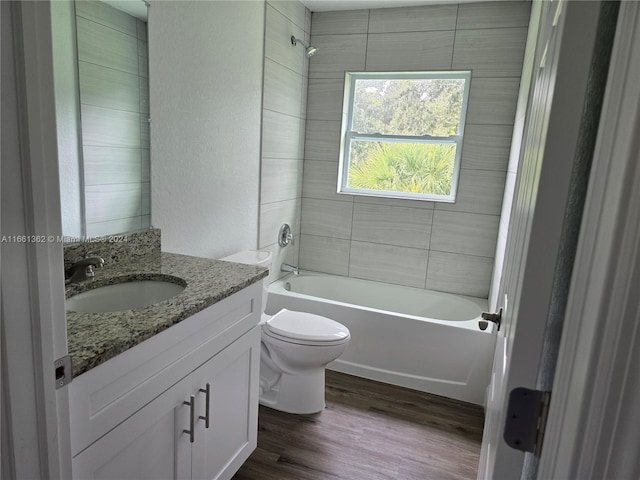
(420, 339)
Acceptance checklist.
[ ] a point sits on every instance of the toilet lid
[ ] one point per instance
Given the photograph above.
(306, 326)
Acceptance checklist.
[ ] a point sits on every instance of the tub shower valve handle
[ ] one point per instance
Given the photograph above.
(285, 237)
(490, 317)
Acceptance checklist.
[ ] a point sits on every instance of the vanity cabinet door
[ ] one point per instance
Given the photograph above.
(147, 446)
(233, 379)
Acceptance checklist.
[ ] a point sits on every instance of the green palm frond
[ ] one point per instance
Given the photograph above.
(404, 167)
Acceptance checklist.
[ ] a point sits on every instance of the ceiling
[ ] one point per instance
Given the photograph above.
(332, 5)
(137, 8)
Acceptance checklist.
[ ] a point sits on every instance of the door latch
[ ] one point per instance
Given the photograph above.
(63, 371)
(490, 317)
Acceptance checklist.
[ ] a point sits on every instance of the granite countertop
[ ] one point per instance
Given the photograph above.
(93, 338)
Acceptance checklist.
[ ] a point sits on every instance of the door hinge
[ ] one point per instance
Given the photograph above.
(526, 419)
(63, 371)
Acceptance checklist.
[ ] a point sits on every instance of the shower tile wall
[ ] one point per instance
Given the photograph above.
(528, 70)
(114, 103)
(440, 246)
(283, 127)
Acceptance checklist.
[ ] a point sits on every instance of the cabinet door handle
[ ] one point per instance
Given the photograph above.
(207, 392)
(192, 418)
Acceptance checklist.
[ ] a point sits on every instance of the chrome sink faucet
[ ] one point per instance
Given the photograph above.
(83, 269)
(285, 267)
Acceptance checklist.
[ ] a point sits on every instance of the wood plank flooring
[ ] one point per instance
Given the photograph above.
(369, 431)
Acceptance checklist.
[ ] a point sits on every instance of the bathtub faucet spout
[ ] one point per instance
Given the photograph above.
(285, 267)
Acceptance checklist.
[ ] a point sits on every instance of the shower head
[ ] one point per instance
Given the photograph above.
(309, 51)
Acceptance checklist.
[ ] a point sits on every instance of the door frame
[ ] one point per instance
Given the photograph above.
(35, 413)
(593, 416)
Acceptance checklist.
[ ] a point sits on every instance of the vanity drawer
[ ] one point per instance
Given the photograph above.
(105, 396)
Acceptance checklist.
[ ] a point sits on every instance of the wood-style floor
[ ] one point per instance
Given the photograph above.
(369, 431)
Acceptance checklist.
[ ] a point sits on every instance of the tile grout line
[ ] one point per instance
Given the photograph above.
(455, 32)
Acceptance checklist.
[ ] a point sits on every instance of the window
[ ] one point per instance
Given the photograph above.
(402, 134)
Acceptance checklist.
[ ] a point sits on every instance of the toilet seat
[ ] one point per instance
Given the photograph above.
(305, 329)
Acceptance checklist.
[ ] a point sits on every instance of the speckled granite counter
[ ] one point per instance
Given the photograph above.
(94, 338)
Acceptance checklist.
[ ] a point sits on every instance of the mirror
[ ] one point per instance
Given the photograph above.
(102, 108)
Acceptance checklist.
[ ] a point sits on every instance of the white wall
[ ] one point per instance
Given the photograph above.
(206, 71)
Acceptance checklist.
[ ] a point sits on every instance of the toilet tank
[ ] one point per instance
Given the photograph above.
(261, 258)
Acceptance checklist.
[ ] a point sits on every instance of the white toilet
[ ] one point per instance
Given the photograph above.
(296, 348)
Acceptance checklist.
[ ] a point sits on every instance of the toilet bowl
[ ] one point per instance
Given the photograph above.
(295, 349)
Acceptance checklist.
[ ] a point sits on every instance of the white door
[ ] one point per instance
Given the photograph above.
(561, 67)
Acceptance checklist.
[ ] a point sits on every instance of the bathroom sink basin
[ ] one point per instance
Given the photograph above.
(123, 296)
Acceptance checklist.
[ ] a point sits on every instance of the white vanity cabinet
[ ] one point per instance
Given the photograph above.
(131, 416)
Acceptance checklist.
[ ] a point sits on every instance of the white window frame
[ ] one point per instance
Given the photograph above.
(348, 134)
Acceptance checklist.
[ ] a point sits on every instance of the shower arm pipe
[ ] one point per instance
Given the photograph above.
(309, 50)
(295, 41)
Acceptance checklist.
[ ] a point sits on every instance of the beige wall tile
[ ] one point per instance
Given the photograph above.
(325, 98)
(130, 224)
(326, 218)
(339, 22)
(337, 54)
(492, 101)
(468, 233)
(489, 41)
(293, 10)
(145, 198)
(105, 46)
(493, 15)
(413, 19)
(389, 264)
(322, 140)
(274, 215)
(410, 51)
(108, 165)
(461, 274)
(479, 191)
(107, 16)
(400, 226)
(283, 89)
(486, 147)
(109, 88)
(145, 160)
(282, 135)
(323, 254)
(393, 202)
(108, 127)
(496, 52)
(281, 179)
(278, 45)
(320, 180)
(112, 202)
